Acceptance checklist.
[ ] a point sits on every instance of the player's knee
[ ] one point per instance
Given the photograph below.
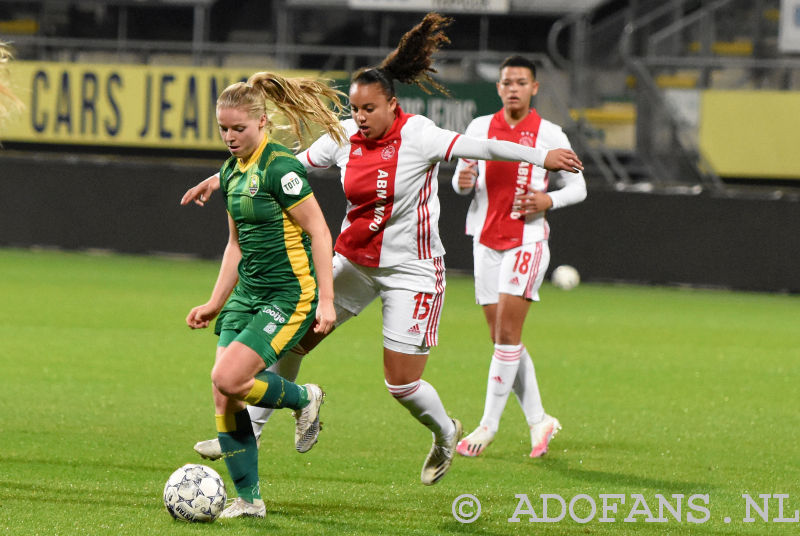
(403, 369)
(226, 382)
(507, 335)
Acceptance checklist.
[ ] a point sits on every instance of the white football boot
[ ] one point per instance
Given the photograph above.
(476, 442)
(241, 508)
(541, 435)
(440, 457)
(308, 425)
(210, 449)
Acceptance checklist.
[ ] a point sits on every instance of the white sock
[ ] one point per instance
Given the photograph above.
(288, 366)
(422, 401)
(527, 389)
(503, 369)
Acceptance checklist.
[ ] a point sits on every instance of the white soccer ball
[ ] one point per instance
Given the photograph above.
(565, 277)
(195, 493)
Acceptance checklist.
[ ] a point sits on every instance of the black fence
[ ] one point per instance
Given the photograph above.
(131, 206)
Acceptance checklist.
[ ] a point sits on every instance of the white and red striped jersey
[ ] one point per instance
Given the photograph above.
(391, 188)
(490, 214)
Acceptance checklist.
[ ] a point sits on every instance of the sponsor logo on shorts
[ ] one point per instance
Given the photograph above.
(414, 329)
(291, 183)
(514, 281)
(270, 328)
(276, 315)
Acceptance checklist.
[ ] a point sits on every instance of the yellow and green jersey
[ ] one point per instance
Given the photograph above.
(276, 253)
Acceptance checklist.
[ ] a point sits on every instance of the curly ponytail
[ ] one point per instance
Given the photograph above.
(303, 102)
(411, 62)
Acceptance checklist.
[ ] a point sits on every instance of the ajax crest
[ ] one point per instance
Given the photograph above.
(527, 138)
(388, 152)
(253, 188)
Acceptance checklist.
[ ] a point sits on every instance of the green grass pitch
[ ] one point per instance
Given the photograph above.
(664, 391)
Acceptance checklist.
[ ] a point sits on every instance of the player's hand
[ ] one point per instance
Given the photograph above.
(562, 160)
(201, 192)
(326, 317)
(201, 316)
(467, 176)
(532, 202)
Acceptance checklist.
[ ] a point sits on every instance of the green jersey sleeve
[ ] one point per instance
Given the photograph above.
(287, 182)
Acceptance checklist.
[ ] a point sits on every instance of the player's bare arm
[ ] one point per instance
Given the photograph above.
(201, 316)
(201, 192)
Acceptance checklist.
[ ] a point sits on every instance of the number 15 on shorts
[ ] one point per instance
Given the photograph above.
(423, 305)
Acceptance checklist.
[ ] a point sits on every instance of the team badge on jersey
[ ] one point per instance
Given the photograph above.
(388, 152)
(253, 188)
(527, 138)
(291, 183)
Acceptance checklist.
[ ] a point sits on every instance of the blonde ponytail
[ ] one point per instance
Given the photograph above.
(299, 105)
(8, 101)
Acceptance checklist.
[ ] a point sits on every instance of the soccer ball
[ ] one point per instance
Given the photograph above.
(565, 277)
(195, 493)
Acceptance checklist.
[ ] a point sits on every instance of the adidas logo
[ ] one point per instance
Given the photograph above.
(514, 281)
(414, 329)
(357, 152)
(498, 379)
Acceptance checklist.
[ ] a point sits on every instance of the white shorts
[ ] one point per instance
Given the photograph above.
(518, 271)
(412, 295)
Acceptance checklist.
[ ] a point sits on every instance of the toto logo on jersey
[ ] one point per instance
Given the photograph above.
(388, 152)
(291, 183)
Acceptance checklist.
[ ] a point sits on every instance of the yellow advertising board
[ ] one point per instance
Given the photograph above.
(120, 105)
(751, 134)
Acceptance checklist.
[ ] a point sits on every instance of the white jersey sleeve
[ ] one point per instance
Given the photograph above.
(325, 152)
(483, 149)
(435, 144)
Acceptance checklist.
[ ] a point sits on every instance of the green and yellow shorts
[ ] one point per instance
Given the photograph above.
(268, 326)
